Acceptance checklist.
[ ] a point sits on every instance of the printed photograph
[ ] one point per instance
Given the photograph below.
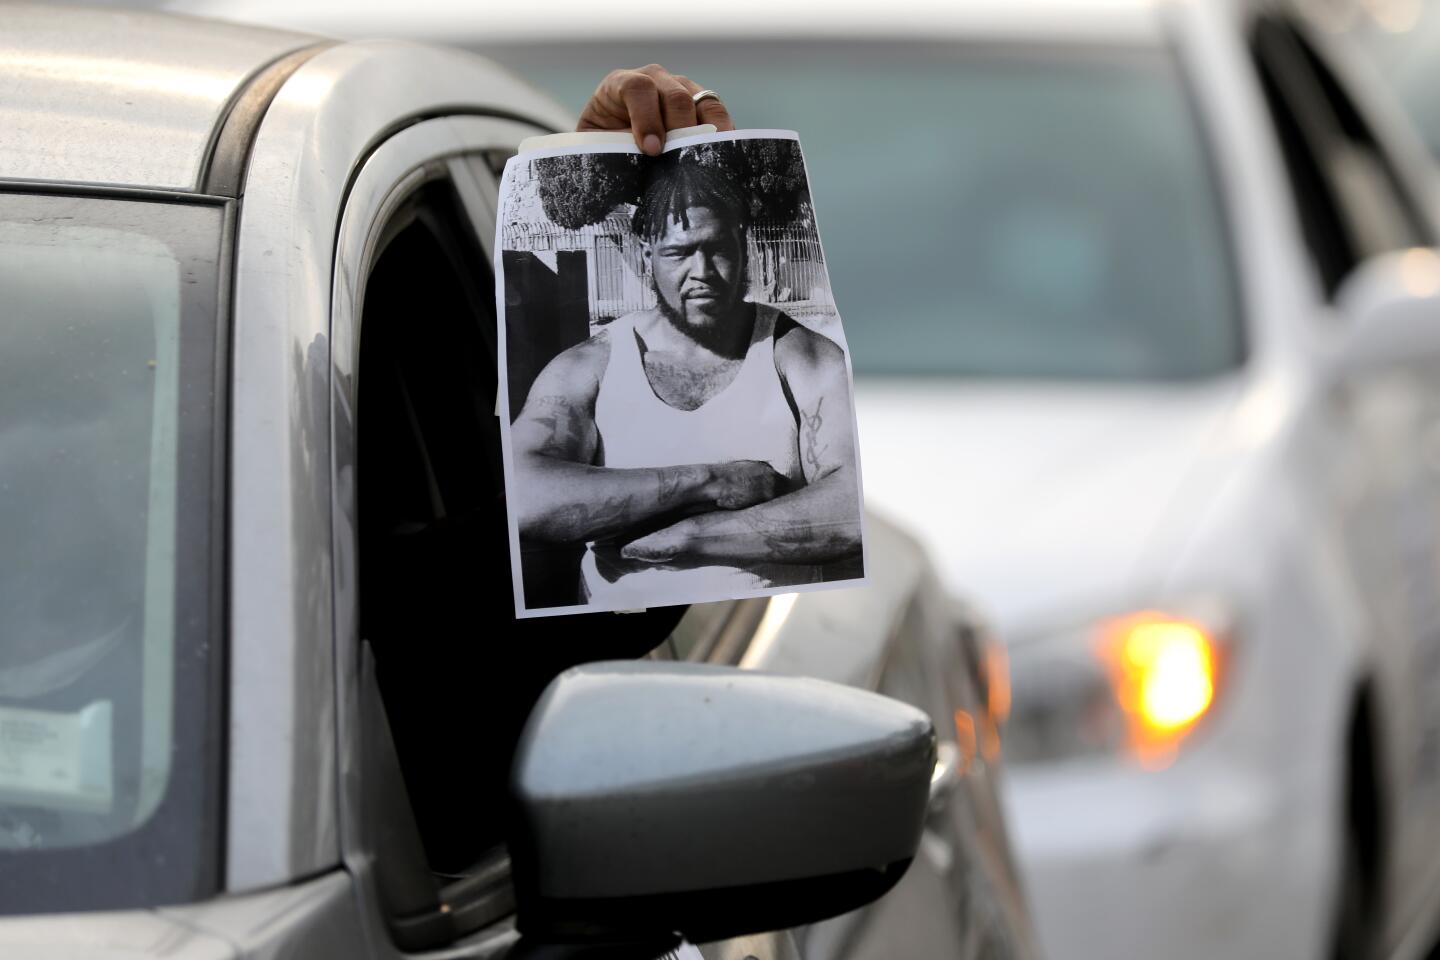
(678, 413)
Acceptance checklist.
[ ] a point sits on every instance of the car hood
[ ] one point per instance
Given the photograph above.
(1036, 500)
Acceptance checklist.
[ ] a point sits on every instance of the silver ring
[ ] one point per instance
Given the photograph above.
(704, 95)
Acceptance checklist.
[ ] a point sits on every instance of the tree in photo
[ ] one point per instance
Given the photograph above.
(772, 172)
(580, 189)
(577, 190)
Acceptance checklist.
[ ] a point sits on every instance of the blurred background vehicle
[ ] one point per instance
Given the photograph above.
(1140, 297)
(1400, 39)
(260, 683)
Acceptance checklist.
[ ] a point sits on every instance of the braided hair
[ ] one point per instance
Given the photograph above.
(676, 187)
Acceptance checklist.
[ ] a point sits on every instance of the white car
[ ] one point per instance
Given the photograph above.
(1143, 301)
(1184, 441)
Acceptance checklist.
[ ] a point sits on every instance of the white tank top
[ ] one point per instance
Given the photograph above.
(750, 419)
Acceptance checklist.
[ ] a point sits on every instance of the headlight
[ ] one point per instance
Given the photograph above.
(1135, 684)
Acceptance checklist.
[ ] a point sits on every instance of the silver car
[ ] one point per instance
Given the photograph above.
(261, 689)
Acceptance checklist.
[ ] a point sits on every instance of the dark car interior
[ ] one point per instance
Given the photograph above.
(455, 671)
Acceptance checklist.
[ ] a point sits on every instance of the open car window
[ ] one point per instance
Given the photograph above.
(456, 672)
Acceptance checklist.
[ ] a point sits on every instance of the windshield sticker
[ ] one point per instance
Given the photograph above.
(56, 760)
(676, 397)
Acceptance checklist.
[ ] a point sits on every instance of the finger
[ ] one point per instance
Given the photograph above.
(645, 552)
(708, 110)
(641, 97)
(605, 109)
(627, 98)
(713, 111)
(676, 107)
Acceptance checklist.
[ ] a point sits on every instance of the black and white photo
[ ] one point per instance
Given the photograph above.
(677, 408)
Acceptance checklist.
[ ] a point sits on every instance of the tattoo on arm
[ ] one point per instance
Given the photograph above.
(814, 450)
(599, 518)
(567, 502)
(672, 483)
(562, 424)
(790, 541)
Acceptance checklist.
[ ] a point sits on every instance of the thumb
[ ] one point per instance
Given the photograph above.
(645, 549)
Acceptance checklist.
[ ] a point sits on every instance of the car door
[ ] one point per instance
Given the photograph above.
(438, 674)
(1355, 203)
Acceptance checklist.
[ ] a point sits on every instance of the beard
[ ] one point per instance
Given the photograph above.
(708, 334)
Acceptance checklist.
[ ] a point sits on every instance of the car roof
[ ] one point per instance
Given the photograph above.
(123, 98)
(469, 21)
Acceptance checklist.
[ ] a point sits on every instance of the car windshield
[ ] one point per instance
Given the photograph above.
(106, 421)
(987, 210)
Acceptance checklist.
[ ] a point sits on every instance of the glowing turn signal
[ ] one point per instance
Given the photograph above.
(1163, 672)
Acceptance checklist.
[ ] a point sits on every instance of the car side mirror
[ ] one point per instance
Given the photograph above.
(1391, 307)
(656, 799)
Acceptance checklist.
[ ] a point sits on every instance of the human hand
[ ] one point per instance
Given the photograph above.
(745, 483)
(650, 100)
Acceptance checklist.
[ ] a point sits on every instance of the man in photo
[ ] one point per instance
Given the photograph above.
(703, 446)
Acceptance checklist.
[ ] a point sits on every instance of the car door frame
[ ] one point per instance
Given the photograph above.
(330, 117)
(432, 150)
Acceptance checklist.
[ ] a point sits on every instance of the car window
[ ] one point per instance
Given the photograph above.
(457, 673)
(1351, 202)
(1369, 175)
(108, 650)
(1402, 41)
(983, 219)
